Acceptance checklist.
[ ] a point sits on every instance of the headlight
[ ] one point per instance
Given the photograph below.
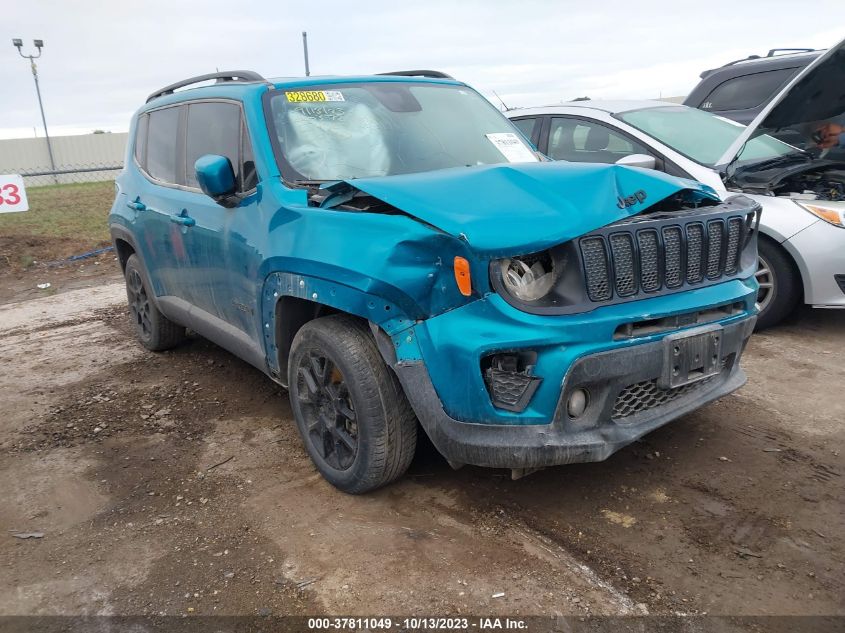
(529, 278)
(831, 214)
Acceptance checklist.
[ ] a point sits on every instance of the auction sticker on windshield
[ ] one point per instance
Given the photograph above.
(12, 194)
(313, 96)
(512, 147)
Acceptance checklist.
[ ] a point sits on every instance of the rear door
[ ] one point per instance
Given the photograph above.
(160, 240)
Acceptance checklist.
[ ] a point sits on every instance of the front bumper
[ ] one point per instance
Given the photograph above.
(630, 373)
(819, 251)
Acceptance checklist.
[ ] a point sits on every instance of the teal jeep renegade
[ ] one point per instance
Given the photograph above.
(394, 252)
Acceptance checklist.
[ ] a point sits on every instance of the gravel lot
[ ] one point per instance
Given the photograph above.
(176, 483)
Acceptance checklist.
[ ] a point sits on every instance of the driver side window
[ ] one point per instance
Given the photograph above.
(578, 140)
(217, 127)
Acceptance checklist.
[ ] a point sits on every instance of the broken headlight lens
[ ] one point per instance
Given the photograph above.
(529, 278)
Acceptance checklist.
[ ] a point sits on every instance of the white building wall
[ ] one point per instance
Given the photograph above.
(29, 155)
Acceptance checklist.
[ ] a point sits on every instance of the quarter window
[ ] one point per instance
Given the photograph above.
(161, 144)
(526, 126)
(213, 128)
(141, 140)
(747, 91)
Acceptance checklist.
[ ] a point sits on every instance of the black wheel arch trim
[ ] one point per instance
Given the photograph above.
(120, 233)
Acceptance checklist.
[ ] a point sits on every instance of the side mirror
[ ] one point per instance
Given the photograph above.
(638, 160)
(216, 178)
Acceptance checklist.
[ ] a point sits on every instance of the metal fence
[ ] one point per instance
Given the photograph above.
(68, 174)
(80, 158)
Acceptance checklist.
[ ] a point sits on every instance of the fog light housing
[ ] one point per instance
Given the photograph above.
(510, 379)
(577, 403)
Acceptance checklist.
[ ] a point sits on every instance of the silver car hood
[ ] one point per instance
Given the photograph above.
(815, 94)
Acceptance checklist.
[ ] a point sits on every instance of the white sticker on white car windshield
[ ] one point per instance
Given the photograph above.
(512, 147)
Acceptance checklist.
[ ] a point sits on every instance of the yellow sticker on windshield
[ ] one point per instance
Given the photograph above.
(313, 96)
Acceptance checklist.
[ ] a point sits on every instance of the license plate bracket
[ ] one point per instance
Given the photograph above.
(691, 356)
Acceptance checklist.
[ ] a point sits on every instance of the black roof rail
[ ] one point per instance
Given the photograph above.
(772, 53)
(221, 77)
(434, 74)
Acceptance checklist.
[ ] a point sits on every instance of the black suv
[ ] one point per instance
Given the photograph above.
(740, 89)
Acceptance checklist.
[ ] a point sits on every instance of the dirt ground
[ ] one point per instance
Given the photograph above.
(176, 483)
(22, 284)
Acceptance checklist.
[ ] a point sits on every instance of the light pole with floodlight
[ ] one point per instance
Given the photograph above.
(39, 44)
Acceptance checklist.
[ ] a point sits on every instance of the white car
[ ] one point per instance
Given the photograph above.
(802, 230)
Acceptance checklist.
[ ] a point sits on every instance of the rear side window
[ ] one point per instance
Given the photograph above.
(748, 91)
(141, 141)
(588, 142)
(213, 128)
(161, 144)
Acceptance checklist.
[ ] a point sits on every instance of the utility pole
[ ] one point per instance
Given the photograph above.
(39, 44)
(305, 51)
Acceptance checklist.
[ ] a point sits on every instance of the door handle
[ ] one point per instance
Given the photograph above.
(183, 218)
(137, 205)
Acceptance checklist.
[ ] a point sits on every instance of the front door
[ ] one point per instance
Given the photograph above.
(219, 254)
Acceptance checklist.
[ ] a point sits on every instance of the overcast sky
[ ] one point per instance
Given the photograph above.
(102, 58)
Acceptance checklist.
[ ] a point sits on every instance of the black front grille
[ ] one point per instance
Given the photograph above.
(645, 395)
(596, 269)
(715, 231)
(672, 243)
(695, 247)
(649, 260)
(734, 235)
(622, 248)
(621, 262)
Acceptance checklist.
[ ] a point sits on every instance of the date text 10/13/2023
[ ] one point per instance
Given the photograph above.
(417, 623)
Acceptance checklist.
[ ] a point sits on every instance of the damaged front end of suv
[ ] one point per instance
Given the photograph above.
(394, 252)
(549, 313)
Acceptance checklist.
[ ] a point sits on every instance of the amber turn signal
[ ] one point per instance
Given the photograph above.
(462, 277)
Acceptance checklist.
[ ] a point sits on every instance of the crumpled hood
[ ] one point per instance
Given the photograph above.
(517, 208)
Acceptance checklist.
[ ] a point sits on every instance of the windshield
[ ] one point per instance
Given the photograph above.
(701, 136)
(385, 128)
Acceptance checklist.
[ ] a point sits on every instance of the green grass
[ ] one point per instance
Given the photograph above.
(62, 220)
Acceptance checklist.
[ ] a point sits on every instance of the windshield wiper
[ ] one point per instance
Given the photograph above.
(779, 160)
(730, 172)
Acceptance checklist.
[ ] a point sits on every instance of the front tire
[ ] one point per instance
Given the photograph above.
(352, 414)
(780, 284)
(154, 330)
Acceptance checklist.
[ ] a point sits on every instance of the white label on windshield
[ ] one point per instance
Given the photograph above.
(512, 147)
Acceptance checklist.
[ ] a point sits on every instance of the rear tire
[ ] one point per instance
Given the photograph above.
(154, 330)
(780, 284)
(352, 414)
